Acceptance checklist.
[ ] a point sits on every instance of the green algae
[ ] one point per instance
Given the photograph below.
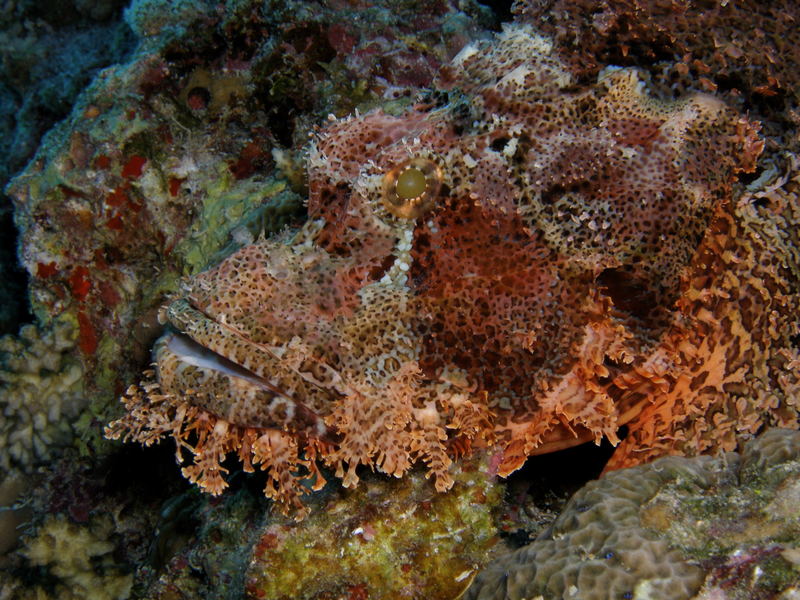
(228, 204)
(382, 539)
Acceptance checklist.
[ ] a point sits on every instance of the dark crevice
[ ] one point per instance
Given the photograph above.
(14, 306)
(628, 293)
(498, 144)
(501, 9)
(794, 340)
(545, 483)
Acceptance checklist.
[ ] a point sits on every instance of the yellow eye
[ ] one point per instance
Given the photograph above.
(410, 189)
(410, 184)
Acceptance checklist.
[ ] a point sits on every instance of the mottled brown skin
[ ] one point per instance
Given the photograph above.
(545, 294)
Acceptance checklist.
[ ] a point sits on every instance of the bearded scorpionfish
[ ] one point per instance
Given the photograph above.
(517, 263)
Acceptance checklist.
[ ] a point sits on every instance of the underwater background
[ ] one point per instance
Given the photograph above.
(145, 143)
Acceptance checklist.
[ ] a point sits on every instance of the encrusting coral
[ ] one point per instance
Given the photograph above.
(721, 527)
(41, 393)
(79, 560)
(517, 262)
(385, 539)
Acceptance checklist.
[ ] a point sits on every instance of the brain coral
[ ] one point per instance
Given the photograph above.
(724, 527)
(517, 262)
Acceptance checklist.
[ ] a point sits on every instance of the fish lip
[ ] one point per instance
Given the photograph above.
(177, 336)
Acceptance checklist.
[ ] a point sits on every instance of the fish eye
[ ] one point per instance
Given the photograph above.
(410, 189)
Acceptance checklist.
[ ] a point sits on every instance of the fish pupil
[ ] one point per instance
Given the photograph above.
(411, 183)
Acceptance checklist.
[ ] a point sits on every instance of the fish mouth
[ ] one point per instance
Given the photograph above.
(191, 352)
(217, 368)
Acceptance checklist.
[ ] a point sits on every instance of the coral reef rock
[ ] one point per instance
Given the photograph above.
(519, 262)
(386, 539)
(719, 528)
(48, 54)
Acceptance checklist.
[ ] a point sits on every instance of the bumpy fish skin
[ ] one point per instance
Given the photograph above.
(517, 263)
